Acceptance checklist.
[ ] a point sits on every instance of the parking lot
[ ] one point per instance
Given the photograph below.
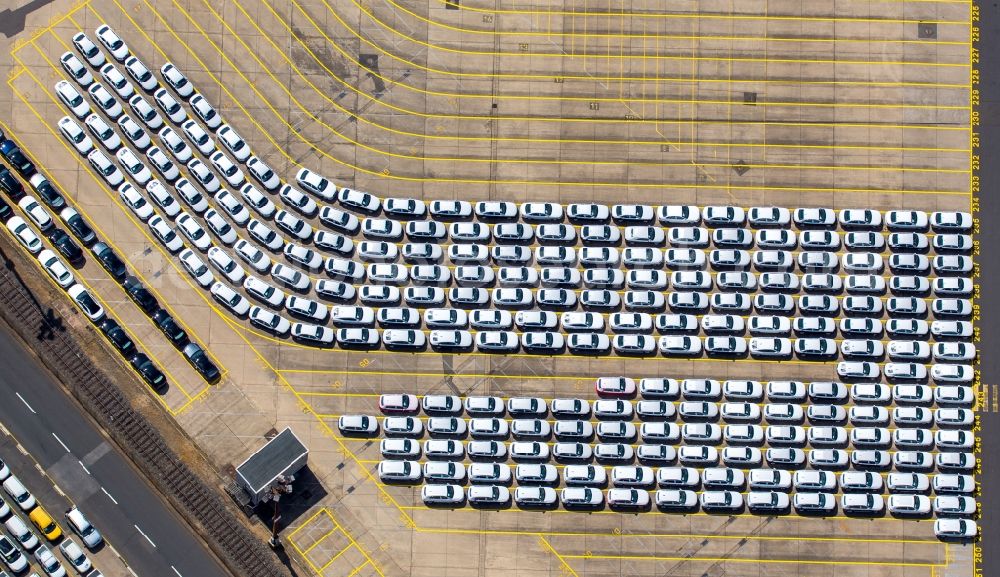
(784, 105)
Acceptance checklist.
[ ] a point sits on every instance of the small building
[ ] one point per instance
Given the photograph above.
(282, 456)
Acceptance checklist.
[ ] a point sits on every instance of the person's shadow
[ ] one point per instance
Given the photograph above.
(50, 324)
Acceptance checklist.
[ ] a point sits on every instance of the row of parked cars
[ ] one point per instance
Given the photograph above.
(67, 250)
(664, 388)
(106, 102)
(724, 502)
(22, 539)
(192, 192)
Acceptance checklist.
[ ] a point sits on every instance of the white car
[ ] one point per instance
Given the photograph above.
(196, 268)
(111, 41)
(24, 234)
(357, 200)
(55, 268)
(86, 302)
(228, 169)
(261, 203)
(176, 79)
(399, 471)
(177, 146)
(104, 134)
(205, 111)
(955, 529)
(169, 105)
(164, 233)
(269, 321)
(317, 184)
(323, 336)
(167, 169)
(263, 173)
(104, 100)
(75, 135)
(305, 257)
(141, 74)
(233, 142)
(231, 299)
(146, 113)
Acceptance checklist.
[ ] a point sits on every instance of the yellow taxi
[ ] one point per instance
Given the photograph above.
(45, 523)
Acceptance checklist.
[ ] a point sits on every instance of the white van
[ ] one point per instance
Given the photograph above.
(17, 491)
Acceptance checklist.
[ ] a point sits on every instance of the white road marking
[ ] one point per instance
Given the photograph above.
(109, 495)
(144, 535)
(21, 449)
(176, 571)
(84, 467)
(26, 403)
(61, 442)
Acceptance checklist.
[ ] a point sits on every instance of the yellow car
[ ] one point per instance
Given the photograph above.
(45, 523)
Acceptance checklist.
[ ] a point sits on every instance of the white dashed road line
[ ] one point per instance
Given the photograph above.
(61, 442)
(26, 403)
(105, 491)
(144, 535)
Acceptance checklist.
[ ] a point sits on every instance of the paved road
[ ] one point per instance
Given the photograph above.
(37, 410)
(989, 262)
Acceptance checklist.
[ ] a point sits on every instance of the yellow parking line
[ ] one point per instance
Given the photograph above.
(281, 119)
(324, 95)
(337, 556)
(699, 16)
(792, 518)
(566, 566)
(765, 561)
(738, 18)
(20, 44)
(622, 35)
(645, 535)
(534, 161)
(411, 64)
(322, 538)
(361, 566)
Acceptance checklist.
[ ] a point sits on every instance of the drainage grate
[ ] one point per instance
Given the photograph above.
(927, 30)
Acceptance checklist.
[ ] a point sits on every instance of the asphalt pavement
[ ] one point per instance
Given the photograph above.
(989, 263)
(144, 529)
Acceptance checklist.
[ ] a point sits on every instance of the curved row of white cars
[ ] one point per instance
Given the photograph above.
(685, 234)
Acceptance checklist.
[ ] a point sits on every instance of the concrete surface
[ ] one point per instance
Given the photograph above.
(780, 102)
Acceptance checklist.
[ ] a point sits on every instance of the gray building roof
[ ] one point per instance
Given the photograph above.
(275, 458)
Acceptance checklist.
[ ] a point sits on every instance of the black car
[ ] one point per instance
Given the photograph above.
(118, 337)
(5, 210)
(173, 331)
(48, 193)
(13, 154)
(78, 226)
(66, 246)
(110, 261)
(201, 363)
(10, 184)
(149, 372)
(141, 295)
